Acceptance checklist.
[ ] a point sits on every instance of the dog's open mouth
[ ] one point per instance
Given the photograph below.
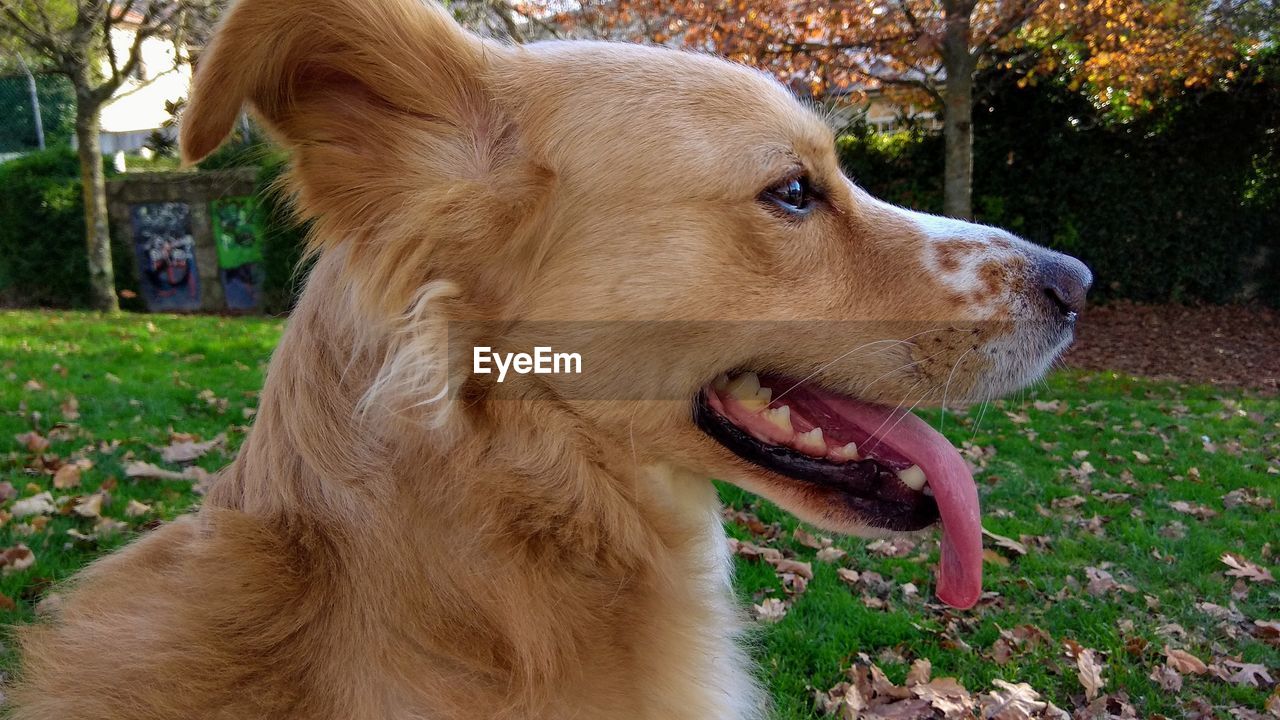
(886, 466)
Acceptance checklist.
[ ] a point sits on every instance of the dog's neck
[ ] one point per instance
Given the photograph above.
(524, 555)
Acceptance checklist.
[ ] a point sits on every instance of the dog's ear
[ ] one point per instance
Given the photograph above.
(314, 71)
(398, 144)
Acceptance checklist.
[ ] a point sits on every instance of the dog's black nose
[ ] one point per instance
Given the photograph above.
(1064, 281)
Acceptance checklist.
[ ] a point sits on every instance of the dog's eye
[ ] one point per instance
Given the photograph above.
(793, 195)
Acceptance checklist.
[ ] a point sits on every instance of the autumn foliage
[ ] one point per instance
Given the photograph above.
(1121, 51)
(1114, 48)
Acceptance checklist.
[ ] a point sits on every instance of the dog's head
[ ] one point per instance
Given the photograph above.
(791, 315)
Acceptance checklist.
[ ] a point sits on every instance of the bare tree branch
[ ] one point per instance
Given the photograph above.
(148, 26)
(912, 20)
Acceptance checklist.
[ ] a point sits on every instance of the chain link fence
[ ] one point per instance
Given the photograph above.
(21, 128)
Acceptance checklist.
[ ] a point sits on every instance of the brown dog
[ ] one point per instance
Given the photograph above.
(404, 537)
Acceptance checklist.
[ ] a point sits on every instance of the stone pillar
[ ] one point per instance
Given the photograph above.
(196, 190)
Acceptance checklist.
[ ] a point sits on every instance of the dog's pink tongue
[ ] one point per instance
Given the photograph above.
(960, 573)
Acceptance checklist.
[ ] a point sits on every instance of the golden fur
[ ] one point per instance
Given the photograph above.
(394, 541)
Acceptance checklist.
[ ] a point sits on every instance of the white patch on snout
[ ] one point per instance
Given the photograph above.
(964, 277)
(1018, 358)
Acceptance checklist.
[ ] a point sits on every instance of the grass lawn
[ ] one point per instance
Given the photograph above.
(1125, 493)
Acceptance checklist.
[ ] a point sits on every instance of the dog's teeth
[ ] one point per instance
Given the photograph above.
(780, 417)
(721, 382)
(757, 402)
(811, 442)
(848, 451)
(912, 477)
(744, 387)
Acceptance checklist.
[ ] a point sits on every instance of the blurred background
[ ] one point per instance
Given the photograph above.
(1131, 497)
(1139, 135)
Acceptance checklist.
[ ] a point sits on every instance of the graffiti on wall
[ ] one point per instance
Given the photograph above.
(166, 253)
(236, 234)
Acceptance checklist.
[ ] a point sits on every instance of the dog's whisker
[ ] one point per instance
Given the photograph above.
(986, 403)
(946, 388)
(899, 369)
(903, 415)
(894, 413)
(891, 344)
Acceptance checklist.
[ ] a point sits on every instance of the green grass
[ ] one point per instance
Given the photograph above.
(139, 378)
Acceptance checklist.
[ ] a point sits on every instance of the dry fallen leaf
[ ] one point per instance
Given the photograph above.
(1196, 510)
(1249, 674)
(1242, 568)
(1167, 678)
(70, 408)
(186, 451)
(809, 540)
(830, 554)
(945, 695)
(1184, 662)
(33, 441)
(18, 557)
(770, 610)
(920, 672)
(67, 476)
(136, 509)
(1011, 702)
(89, 506)
(154, 472)
(749, 521)
(40, 504)
(892, 547)
(1071, 501)
(1089, 672)
(803, 569)
(1102, 582)
(108, 526)
(1246, 496)
(1006, 543)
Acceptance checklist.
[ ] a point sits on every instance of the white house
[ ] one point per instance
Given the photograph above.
(138, 108)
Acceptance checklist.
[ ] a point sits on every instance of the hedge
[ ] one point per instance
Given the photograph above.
(283, 238)
(43, 256)
(1181, 205)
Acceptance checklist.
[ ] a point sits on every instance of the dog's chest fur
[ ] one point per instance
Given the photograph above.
(715, 679)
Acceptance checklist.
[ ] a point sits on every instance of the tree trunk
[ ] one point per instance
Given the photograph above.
(102, 282)
(957, 128)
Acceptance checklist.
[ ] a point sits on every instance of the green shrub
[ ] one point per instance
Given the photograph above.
(283, 238)
(43, 259)
(904, 168)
